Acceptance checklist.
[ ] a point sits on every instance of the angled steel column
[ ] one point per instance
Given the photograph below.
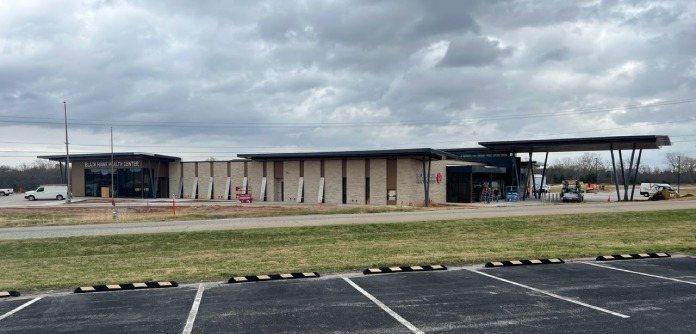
(531, 172)
(517, 175)
(630, 171)
(543, 172)
(623, 174)
(613, 168)
(635, 177)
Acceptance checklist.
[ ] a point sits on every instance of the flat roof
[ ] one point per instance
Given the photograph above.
(418, 153)
(580, 144)
(82, 156)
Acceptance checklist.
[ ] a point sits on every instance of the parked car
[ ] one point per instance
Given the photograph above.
(649, 189)
(6, 191)
(48, 191)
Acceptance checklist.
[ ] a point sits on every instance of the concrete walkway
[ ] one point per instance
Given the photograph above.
(338, 219)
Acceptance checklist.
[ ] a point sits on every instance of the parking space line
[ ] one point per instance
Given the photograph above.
(637, 272)
(551, 294)
(19, 308)
(194, 310)
(384, 307)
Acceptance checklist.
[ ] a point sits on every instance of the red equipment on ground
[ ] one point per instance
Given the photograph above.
(243, 194)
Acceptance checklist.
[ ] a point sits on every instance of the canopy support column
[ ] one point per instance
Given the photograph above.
(613, 168)
(635, 177)
(426, 181)
(543, 173)
(630, 171)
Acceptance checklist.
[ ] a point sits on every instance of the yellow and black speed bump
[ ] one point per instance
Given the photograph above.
(5, 294)
(382, 270)
(270, 277)
(631, 256)
(523, 262)
(126, 286)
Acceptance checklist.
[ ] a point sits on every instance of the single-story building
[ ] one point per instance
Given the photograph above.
(375, 177)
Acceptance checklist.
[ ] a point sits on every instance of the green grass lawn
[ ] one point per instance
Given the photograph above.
(197, 256)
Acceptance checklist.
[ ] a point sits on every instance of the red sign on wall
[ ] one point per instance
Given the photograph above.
(438, 177)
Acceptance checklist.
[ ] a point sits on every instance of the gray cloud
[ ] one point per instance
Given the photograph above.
(219, 78)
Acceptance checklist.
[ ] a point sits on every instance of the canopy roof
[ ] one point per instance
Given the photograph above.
(580, 144)
(99, 156)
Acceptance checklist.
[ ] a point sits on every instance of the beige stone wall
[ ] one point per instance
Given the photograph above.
(312, 172)
(438, 191)
(220, 179)
(270, 184)
(174, 177)
(203, 179)
(290, 180)
(355, 174)
(406, 187)
(255, 175)
(189, 175)
(333, 174)
(378, 182)
(237, 174)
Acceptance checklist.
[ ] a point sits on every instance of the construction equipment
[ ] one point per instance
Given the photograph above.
(572, 191)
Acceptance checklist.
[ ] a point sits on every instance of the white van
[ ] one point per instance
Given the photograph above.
(48, 191)
(649, 189)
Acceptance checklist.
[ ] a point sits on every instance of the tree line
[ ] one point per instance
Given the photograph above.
(589, 167)
(29, 176)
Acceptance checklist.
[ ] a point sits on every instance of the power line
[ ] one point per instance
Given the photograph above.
(189, 124)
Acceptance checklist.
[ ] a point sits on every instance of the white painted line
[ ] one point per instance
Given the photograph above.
(552, 294)
(20, 307)
(194, 310)
(384, 307)
(638, 273)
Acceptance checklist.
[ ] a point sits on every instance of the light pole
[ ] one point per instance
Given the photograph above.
(67, 155)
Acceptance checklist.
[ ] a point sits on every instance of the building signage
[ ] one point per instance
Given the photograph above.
(117, 164)
(419, 178)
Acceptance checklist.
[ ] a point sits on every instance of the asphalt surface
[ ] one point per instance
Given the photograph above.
(487, 211)
(650, 295)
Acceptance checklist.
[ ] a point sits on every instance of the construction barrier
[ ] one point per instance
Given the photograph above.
(126, 286)
(631, 256)
(12, 293)
(382, 270)
(523, 262)
(270, 277)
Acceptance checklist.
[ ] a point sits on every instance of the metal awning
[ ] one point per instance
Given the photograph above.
(580, 144)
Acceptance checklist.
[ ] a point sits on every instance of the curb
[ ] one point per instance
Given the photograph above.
(126, 286)
(523, 262)
(271, 277)
(631, 256)
(382, 270)
(11, 293)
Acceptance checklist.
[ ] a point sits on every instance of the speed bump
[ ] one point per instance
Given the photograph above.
(12, 293)
(270, 277)
(382, 270)
(523, 262)
(632, 256)
(126, 286)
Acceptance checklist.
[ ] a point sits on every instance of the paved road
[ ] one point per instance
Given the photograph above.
(646, 296)
(320, 220)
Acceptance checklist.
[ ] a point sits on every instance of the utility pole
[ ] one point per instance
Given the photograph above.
(112, 167)
(596, 174)
(67, 155)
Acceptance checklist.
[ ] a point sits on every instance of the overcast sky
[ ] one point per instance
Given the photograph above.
(200, 79)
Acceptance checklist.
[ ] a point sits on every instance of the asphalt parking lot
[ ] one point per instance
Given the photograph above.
(648, 295)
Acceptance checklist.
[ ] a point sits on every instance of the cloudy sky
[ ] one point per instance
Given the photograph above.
(200, 79)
